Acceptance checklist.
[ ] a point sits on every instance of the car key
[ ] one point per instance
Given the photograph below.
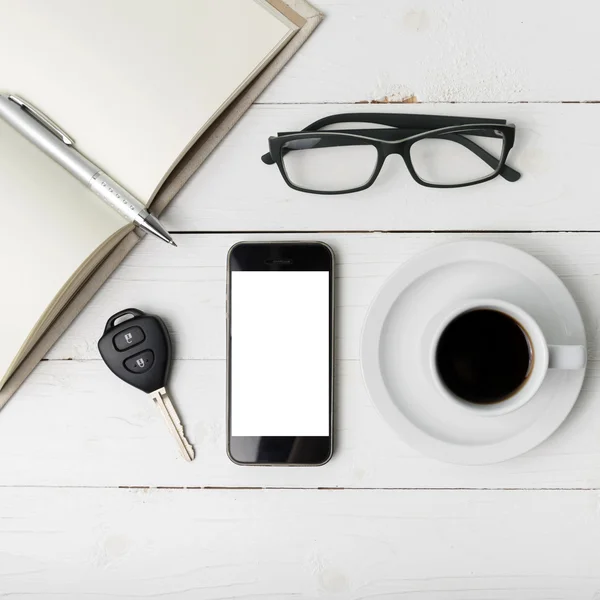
(138, 351)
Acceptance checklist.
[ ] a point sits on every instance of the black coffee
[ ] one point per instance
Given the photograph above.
(483, 356)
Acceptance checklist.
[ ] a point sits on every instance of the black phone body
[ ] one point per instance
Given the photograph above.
(280, 353)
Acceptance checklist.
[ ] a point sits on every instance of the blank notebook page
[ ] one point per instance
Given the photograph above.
(50, 224)
(134, 82)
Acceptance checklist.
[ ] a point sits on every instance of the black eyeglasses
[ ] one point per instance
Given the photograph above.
(439, 151)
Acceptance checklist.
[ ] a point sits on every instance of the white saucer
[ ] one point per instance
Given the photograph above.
(394, 339)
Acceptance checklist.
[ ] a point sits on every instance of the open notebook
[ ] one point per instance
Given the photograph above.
(136, 84)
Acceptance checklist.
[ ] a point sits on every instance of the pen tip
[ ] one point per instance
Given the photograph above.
(173, 243)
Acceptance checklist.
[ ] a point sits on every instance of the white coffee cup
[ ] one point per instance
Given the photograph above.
(542, 356)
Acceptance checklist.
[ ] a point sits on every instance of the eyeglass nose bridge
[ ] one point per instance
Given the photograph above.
(387, 150)
(400, 148)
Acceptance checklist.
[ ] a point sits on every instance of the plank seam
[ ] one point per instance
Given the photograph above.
(300, 488)
(421, 102)
(375, 231)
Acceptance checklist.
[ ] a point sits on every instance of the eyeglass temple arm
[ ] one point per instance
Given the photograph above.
(391, 120)
(401, 120)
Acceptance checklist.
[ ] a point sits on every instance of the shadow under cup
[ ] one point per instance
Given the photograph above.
(484, 356)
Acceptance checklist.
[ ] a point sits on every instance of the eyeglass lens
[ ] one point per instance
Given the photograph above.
(451, 159)
(328, 169)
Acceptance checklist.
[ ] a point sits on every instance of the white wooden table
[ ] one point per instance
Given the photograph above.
(94, 500)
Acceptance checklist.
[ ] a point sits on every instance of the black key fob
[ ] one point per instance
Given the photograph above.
(137, 350)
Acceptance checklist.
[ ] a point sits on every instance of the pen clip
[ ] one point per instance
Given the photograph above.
(43, 119)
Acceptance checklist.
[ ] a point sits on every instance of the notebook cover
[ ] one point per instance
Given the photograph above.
(300, 13)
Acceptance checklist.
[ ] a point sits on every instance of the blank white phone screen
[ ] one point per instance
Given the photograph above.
(279, 353)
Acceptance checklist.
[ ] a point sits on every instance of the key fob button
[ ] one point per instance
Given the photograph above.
(128, 338)
(140, 363)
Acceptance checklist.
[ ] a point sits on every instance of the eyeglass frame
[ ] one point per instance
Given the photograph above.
(419, 126)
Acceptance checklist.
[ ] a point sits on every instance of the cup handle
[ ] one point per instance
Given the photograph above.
(567, 357)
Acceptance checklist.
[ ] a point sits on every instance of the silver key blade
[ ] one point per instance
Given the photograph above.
(162, 400)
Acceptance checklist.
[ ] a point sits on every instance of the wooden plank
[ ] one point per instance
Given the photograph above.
(454, 51)
(255, 545)
(75, 424)
(235, 191)
(187, 285)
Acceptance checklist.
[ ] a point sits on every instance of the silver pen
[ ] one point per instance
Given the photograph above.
(49, 138)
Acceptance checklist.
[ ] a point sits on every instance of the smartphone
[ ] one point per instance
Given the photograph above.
(280, 353)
